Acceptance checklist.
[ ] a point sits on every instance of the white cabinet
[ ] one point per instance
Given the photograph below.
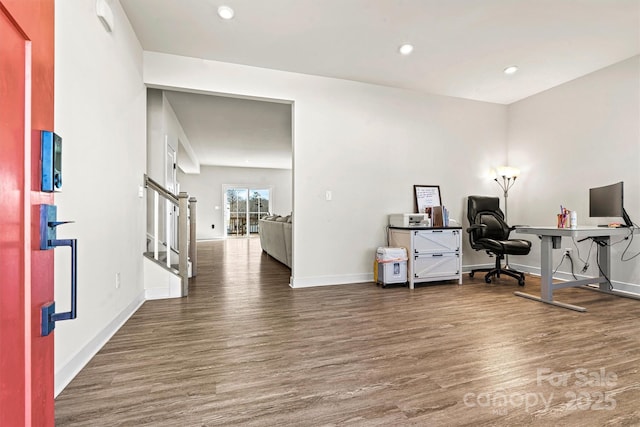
(434, 253)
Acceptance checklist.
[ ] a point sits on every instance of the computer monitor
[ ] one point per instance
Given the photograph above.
(608, 202)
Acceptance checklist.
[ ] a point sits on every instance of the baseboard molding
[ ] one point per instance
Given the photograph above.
(68, 372)
(468, 268)
(631, 288)
(163, 293)
(309, 282)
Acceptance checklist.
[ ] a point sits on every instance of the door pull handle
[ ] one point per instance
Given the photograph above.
(48, 240)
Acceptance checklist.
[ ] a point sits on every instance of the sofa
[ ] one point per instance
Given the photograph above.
(275, 237)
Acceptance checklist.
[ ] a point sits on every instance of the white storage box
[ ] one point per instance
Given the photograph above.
(390, 266)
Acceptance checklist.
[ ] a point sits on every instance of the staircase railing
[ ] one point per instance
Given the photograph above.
(162, 205)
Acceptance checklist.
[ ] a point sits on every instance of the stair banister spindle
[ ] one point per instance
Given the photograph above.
(156, 200)
(167, 224)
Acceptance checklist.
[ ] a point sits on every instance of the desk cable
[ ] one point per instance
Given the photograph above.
(585, 264)
(630, 238)
(565, 255)
(598, 249)
(599, 245)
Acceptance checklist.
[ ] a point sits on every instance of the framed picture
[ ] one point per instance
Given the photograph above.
(426, 196)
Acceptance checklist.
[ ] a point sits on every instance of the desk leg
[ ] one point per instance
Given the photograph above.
(546, 269)
(546, 275)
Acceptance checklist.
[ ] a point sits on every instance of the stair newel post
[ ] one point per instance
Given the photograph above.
(183, 240)
(193, 249)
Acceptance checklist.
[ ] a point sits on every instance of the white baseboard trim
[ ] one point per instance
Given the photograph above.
(309, 282)
(468, 268)
(162, 293)
(68, 372)
(630, 288)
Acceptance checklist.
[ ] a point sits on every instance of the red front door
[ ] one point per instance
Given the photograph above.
(26, 107)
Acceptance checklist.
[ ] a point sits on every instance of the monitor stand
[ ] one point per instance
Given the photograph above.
(626, 218)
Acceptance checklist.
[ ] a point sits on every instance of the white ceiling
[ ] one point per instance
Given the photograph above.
(461, 46)
(235, 132)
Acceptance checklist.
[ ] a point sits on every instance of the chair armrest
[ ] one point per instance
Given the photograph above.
(476, 227)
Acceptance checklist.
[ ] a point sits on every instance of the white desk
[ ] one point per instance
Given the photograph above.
(552, 239)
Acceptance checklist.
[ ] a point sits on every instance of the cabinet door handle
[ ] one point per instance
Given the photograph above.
(436, 255)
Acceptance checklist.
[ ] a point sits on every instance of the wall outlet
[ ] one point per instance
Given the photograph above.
(568, 251)
(117, 280)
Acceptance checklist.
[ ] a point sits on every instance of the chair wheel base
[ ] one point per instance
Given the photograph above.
(498, 272)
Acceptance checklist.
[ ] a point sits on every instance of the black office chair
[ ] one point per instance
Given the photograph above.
(490, 233)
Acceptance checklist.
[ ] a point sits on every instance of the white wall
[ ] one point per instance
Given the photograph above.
(163, 128)
(582, 134)
(206, 187)
(100, 107)
(156, 147)
(368, 144)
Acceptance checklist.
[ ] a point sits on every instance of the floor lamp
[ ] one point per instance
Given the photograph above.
(506, 177)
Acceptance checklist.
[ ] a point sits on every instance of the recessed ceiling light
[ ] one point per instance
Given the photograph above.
(511, 69)
(405, 49)
(225, 12)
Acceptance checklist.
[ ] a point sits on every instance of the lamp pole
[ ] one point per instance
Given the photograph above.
(506, 184)
(507, 177)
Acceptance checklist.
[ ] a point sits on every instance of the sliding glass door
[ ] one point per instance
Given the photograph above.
(243, 208)
(235, 220)
(258, 207)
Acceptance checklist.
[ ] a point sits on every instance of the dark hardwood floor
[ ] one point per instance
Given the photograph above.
(246, 349)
